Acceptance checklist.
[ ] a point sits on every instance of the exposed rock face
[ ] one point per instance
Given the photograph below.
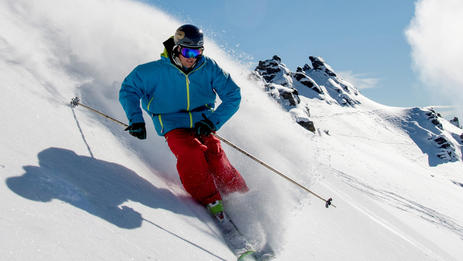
(273, 71)
(319, 64)
(305, 80)
(447, 149)
(286, 96)
(307, 125)
(279, 83)
(337, 89)
(434, 118)
(426, 128)
(455, 122)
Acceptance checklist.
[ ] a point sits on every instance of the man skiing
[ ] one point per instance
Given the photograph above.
(178, 92)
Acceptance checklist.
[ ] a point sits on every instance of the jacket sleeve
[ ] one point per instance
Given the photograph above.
(228, 92)
(129, 96)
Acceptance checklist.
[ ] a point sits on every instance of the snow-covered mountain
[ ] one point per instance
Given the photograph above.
(75, 186)
(296, 90)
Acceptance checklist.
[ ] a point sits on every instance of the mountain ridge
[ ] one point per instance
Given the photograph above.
(320, 81)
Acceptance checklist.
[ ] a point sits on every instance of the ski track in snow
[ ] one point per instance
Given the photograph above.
(382, 222)
(403, 203)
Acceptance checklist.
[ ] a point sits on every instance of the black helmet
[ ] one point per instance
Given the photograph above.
(189, 35)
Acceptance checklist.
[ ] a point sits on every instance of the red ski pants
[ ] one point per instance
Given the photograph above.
(203, 167)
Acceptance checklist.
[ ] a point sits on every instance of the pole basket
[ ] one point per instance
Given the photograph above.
(75, 102)
(328, 203)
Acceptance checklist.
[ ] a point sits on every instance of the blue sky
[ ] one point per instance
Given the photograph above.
(362, 39)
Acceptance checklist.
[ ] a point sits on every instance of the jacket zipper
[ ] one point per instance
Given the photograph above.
(187, 81)
(188, 99)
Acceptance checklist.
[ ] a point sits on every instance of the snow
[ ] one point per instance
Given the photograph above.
(75, 186)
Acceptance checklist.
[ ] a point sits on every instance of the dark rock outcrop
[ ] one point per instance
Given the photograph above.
(425, 127)
(319, 64)
(447, 150)
(434, 118)
(305, 80)
(279, 83)
(455, 121)
(273, 71)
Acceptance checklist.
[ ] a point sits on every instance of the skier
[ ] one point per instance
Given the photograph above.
(178, 92)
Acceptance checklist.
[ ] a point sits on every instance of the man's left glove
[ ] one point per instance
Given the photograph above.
(137, 130)
(204, 127)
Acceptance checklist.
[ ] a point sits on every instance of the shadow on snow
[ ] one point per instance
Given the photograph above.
(95, 186)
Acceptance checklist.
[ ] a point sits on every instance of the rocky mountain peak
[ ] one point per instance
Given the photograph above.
(317, 81)
(274, 71)
(319, 64)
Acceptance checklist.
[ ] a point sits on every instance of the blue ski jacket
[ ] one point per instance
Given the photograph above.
(175, 99)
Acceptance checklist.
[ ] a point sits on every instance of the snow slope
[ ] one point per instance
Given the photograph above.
(75, 186)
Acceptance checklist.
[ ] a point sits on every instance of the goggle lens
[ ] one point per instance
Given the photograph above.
(191, 53)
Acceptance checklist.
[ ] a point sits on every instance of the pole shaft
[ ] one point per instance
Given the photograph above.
(270, 168)
(102, 114)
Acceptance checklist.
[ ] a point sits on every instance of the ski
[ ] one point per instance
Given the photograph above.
(239, 244)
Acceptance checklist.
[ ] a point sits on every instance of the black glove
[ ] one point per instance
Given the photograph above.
(137, 130)
(204, 127)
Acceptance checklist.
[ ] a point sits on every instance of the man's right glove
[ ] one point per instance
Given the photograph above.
(137, 130)
(204, 127)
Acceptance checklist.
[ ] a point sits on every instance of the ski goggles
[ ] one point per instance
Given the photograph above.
(190, 52)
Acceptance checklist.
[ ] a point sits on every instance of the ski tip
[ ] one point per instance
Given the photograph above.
(247, 256)
(266, 257)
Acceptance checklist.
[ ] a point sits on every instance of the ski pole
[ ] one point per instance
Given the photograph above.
(76, 102)
(328, 202)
